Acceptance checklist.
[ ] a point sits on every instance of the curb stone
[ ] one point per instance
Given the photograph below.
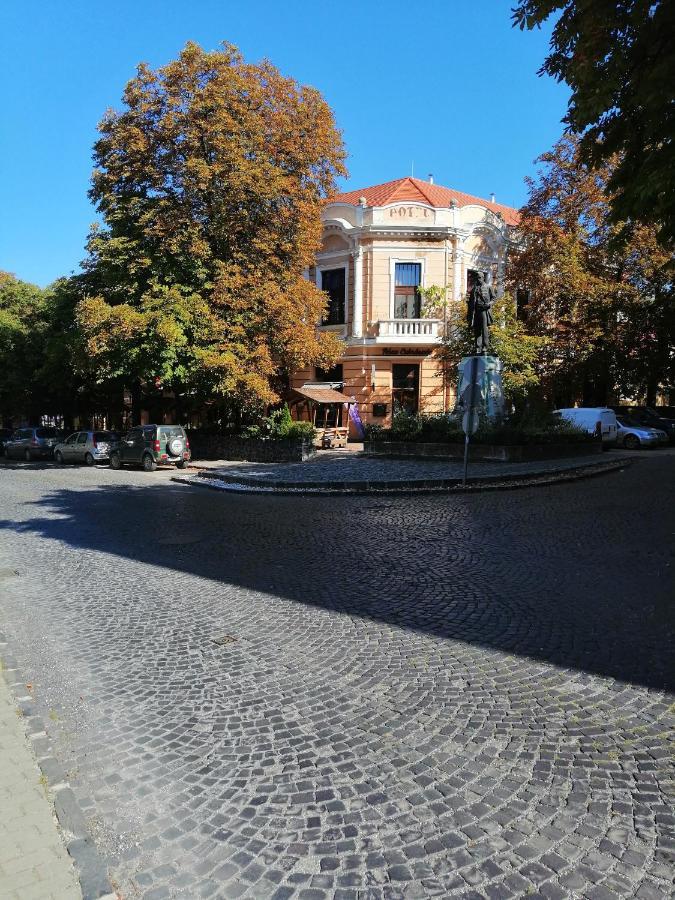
(248, 484)
(90, 867)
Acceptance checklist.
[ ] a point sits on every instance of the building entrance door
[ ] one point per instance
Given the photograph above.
(406, 388)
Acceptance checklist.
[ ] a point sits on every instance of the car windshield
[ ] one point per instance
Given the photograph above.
(47, 432)
(106, 436)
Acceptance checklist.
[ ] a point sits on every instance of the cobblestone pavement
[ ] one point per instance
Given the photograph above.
(34, 864)
(355, 698)
(332, 468)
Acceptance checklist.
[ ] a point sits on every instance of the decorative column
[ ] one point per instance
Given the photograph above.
(457, 273)
(500, 274)
(357, 320)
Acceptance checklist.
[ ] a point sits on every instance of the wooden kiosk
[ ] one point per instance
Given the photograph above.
(326, 408)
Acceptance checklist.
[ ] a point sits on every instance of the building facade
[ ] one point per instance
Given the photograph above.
(380, 246)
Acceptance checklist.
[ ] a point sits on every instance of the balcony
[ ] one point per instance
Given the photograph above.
(408, 331)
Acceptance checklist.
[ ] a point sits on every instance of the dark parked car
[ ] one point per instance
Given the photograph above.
(33, 443)
(5, 435)
(649, 416)
(152, 444)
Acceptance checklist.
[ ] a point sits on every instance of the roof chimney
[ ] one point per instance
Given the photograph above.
(492, 197)
(362, 201)
(431, 178)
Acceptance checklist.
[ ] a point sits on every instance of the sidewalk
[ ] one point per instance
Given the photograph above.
(34, 863)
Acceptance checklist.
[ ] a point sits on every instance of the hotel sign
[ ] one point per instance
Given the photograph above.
(405, 351)
(410, 212)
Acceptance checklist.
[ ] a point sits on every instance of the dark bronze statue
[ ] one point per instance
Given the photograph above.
(479, 313)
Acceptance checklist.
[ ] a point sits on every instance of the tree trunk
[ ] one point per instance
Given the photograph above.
(136, 400)
(179, 411)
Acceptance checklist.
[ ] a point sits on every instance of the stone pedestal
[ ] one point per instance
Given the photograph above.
(488, 392)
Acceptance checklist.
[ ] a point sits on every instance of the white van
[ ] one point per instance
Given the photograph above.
(594, 419)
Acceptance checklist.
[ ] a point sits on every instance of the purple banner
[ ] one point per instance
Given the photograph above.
(356, 419)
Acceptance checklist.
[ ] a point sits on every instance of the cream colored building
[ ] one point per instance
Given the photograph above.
(380, 245)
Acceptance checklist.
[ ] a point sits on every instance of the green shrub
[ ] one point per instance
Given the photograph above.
(300, 431)
(375, 432)
(529, 427)
(284, 421)
(439, 428)
(279, 425)
(405, 427)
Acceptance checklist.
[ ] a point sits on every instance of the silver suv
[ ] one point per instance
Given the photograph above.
(33, 443)
(86, 446)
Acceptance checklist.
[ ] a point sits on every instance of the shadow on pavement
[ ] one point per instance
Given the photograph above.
(578, 575)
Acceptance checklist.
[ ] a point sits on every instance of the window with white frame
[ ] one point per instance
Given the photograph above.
(333, 283)
(407, 297)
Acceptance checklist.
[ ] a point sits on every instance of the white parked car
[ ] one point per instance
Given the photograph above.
(598, 420)
(632, 436)
(85, 446)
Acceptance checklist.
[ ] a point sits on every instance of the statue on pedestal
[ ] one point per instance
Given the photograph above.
(479, 313)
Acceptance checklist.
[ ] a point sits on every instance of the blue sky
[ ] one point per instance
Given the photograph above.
(445, 85)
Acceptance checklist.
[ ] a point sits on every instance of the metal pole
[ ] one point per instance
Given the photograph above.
(469, 424)
(466, 457)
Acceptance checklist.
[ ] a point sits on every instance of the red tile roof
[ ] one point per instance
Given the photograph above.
(414, 189)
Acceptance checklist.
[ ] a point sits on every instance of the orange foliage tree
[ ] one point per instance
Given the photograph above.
(209, 182)
(600, 292)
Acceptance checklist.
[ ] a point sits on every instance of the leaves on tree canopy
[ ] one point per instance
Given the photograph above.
(618, 58)
(22, 315)
(210, 183)
(605, 305)
(44, 366)
(519, 350)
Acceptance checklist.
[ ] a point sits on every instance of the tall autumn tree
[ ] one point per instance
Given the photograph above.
(618, 58)
(210, 182)
(600, 292)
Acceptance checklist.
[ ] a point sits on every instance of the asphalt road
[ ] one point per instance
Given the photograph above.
(354, 697)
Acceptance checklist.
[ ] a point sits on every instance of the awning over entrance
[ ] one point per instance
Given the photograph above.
(320, 394)
(327, 409)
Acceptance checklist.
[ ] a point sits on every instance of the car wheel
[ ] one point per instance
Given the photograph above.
(115, 461)
(27, 456)
(149, 464)
(89, 459)
(631, 442)
(182, 464)
(58, 456)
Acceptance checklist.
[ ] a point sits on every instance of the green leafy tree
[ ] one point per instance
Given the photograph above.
(617, 58)
(519, 351)
(46, 369)
(644, 328)
(210, 182)
(68, 378)
(22, 335)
